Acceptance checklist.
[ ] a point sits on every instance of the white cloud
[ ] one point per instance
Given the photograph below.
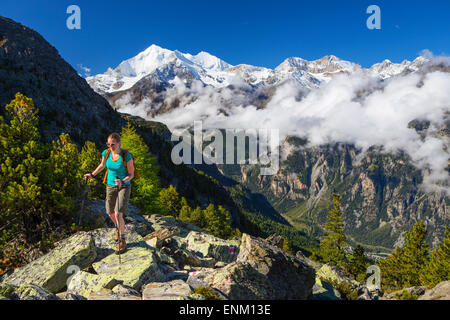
(338, 112)
(86, 70)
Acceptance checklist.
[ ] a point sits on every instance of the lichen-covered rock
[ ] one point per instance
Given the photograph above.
(186, 257)
(108, 294)
(166, 290)
(94, 212)
(163, 233)
(262, 271)
(50, 270)
(196, 279)
(83, 283)
(290, 277)
(123, 290)
(69, 296)
(159, 222)
(179, 274)
(439, 292)
(237, 281)
(276, 240)
(8, 291)
(140, 223)
(33, 292)
(138, 266)
(220, 264)
(323, 290)
(416, 291)
(336, 275)
(105, 244)
(194, 296)
(208, 246)
(153, 242)
(166, 259)
(300, 256)
(25, 292)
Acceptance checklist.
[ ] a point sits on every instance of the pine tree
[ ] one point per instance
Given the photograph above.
(357, 264)
(218, 222)
(145, 190)
(38, 181)
(415, 254)
(62, 184)
(89, 160)
(22, 159)
(334, 241)
(438, 268)
(392, 275)
(404, 267)
(185, 211)
(198, 218)
(287, 246)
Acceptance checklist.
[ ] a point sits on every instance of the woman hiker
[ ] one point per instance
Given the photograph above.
(118, 176)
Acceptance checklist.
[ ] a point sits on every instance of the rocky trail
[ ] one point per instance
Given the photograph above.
(168, 259)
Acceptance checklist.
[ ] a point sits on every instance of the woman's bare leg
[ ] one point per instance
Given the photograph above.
(119, 218)
(113, 218)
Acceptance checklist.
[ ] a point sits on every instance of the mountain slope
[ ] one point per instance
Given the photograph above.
(66, 103)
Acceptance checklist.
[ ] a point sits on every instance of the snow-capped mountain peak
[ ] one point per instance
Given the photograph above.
(211, 70)
(130, 71)
(387, 69)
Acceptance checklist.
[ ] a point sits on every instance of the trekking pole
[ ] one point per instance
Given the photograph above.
(82, 201)
(118, 223)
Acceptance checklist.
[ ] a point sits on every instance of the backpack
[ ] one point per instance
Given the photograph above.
(124, 159)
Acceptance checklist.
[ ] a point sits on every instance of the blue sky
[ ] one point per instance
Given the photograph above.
(261, 33)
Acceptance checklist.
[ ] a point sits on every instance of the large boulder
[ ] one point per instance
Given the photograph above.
(94, 213)
(276, 240)
(262, 271)
(105, 244)
(83, 283)
(51, 270)
(209, 246)
(414, 291)
(26, 292)
(139, 222)
(163, 233)
(236, 281)
(158, 222)
(33, 292)
(171, 290)
(156, 238)
(323, 290)
(119, 292)
(138, 266)
(336, 275)
(300, 256)
(439, 292)
(69, 296)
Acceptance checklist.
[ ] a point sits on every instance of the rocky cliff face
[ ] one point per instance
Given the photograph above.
(30, 65)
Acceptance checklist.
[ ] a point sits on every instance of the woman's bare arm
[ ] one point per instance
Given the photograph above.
(100, 167)
(130, 169)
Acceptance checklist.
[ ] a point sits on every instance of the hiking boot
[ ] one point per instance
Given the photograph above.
(116, 235)
(122, 246)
